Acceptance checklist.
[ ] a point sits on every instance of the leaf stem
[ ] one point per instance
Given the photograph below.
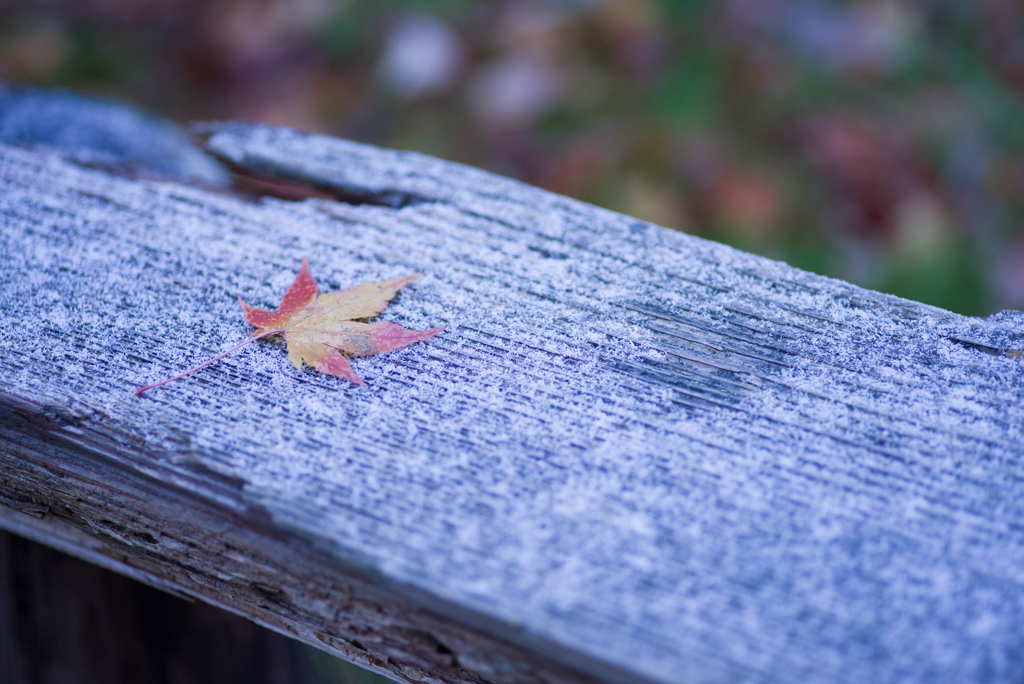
(139, 391)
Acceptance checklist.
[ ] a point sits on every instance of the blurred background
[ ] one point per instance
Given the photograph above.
(878, 141)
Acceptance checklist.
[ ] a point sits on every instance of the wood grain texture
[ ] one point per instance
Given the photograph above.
(632, 456)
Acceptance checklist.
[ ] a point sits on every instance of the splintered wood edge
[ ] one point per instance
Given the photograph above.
(77, 501)
(293, 580)
(71, 509)
(68, 539)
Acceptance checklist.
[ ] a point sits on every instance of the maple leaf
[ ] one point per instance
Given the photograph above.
(322, 330)
(318, 329)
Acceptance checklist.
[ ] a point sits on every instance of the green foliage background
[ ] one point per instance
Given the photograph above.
(878, 141)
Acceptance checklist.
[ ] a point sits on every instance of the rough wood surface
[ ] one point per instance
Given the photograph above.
(632, 456)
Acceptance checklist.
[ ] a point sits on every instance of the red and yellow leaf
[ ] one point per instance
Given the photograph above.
(322, 330)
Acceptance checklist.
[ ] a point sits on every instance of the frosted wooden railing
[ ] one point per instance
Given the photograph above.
(632, 456)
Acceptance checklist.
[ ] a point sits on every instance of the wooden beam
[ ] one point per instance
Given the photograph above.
(632, 456)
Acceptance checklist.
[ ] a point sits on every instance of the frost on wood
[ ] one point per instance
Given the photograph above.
(646, 456)
(320, 329)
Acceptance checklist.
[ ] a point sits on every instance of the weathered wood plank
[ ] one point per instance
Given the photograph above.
(632, 456)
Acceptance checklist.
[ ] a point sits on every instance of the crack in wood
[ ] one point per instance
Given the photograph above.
(656, 459)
